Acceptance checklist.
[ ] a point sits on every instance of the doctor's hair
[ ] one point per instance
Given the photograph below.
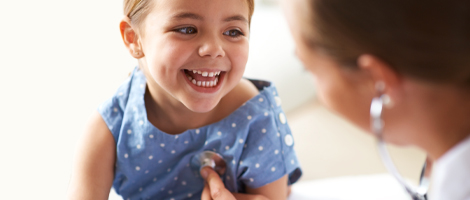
(137, 10)
(425, 40)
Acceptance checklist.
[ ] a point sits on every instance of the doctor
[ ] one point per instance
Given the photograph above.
(412, 56)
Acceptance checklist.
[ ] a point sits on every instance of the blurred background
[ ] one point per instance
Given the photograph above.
(60, 59)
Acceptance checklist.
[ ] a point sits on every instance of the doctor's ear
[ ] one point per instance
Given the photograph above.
(385, 79)
(130, 38)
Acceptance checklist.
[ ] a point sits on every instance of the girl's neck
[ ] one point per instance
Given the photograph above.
(171, 116)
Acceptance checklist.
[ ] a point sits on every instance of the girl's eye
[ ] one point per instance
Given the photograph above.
(233, 33)
(186, 30)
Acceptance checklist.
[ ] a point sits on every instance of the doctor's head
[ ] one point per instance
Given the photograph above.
(417, 52)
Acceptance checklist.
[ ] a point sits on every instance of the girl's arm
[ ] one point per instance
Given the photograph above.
(277, 190)
(93, 172)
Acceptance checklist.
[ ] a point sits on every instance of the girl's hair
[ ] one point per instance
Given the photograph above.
(137, 10)
(427, 40)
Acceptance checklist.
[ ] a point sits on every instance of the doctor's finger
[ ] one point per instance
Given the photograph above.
(206, 193)
(216, 186)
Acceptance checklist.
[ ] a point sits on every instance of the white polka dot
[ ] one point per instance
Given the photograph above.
(251, 180)
(289, 140)
(170, 192)
(214, 150)
(233, 162)
(241, 162)
(150, 136)
(141, 122)
(244, 146)
(228, 177)
(197, 131)
(266, 114)
(183, 183)
(162, 145)
(150, 157)
(186, 142)
(172, 199)
(205, 143)
(227, 147)
(240, 141)
(146, 171)
(249, 117)
(278, 135)
(129, 131)
(141, 85)
(138, 146)
(111, 127)
(137, 168)
(257, 165)
(273, 169)
(140, 189)
(282, 118)
(276, 152)
(190, 195)
(173, 151)
(134, 108)
(177, 136)
(264, 130)
(126, 155)
(274, 93)
(168, 170)
(234, 125)
(243, 104)
(260, 99)
(115, 109)
(219, 133)
(278, 101)
(120, 94)
(260, 148)
(176, 178)
(160, 161)
(292, 162)
(154, 179)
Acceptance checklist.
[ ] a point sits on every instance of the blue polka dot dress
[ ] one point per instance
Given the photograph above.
(255, 142)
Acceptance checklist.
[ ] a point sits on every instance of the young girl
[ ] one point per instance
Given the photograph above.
(187, 96)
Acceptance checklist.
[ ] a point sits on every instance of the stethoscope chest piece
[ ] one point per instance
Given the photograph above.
(210, 159)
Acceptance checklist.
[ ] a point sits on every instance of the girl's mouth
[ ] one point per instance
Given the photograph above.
(202, 78)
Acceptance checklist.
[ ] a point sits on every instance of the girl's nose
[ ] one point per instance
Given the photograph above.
(211, 47)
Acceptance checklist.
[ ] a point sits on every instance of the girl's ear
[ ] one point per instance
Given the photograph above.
(383, 75)
(130, 38)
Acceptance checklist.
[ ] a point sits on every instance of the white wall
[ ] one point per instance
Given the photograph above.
(59, 59)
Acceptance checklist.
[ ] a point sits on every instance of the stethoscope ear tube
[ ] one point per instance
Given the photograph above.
(377, 125)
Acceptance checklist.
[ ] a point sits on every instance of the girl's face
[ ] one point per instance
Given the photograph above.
(348, 92)
(195, 51)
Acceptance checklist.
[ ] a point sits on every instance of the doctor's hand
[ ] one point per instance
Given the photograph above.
(214, 188)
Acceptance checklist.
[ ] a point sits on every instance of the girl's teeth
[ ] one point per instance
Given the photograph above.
(211, 74)
(194, 81)
(199, 83)
(204, 74)
(194, 71)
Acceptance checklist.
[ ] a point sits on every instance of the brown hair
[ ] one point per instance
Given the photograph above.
(428, 40)
(137, 10)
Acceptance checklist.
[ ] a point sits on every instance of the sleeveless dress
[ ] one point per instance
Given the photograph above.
(255, 142)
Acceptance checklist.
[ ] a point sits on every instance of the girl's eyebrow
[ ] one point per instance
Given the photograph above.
(185, 15)
(236, 18)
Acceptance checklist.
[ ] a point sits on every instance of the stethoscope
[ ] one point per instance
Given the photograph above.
(416, 193)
